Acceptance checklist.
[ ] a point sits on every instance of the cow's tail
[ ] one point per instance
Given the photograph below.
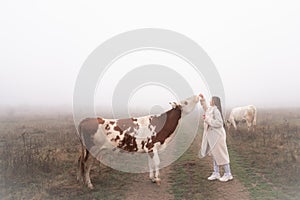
(82, 157)
(254, 117)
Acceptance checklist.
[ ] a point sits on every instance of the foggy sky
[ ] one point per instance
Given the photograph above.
(255, 45)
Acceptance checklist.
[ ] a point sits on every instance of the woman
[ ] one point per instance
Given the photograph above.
(214, 138)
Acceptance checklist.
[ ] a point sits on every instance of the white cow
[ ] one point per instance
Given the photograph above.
(243, 114)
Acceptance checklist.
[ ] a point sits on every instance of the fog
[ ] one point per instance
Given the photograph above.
(254, 45)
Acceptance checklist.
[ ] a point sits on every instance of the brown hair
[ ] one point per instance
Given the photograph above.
(217, 102)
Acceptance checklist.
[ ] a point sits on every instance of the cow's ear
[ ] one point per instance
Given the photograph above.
(173, 104)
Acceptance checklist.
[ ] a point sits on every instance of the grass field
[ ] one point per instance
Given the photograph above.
(39, 153)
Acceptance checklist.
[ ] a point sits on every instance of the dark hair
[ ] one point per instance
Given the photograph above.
(217, 102)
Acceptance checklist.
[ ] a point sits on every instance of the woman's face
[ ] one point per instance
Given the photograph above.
(211, 102)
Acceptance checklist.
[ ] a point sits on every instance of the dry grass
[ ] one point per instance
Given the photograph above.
(38, 160)
(272, 152)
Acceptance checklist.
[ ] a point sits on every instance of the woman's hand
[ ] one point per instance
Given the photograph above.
(201, 96)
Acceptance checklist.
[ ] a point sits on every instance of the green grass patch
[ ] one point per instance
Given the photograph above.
(257, 185)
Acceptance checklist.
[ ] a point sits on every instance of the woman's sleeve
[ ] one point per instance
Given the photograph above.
(203, 104)
(217, 122)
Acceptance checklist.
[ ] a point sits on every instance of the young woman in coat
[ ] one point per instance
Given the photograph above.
(214, 138)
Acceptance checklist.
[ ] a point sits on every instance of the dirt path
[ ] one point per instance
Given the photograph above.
(143, 188)
(233, 190)
(187, 179)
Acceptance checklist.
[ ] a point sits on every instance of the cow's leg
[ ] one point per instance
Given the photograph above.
(228, 127)
(249, 125)
(80, 165)
(151, 166)
(234, 124)
(156, 165)
(253, 126)
(79, 170)
(88, 160)
(249, 121)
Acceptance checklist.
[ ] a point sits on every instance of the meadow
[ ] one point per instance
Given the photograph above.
(38, 155)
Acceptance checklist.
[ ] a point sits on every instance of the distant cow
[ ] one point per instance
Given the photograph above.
(143, 134)
(243, 114)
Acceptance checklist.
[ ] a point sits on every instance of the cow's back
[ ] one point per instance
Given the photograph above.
(237, 114)
(243, 113)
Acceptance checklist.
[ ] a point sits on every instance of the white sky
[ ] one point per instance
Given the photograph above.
(147, 95)
(255, 45)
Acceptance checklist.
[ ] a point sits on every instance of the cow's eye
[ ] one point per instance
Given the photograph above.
(185, 103)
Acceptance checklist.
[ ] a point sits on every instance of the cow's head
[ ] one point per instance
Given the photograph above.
(186, 105)
(175, 105)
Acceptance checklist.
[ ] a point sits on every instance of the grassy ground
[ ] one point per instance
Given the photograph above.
(38, 161)
(271, 154)
(258, 186)
(264, 176)
(266, 162)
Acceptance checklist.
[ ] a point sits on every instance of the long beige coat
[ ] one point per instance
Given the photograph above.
(214, 135)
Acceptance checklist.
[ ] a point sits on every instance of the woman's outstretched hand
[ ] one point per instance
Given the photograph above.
(201, 96)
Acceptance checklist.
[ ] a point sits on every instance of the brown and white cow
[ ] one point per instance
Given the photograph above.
(143, 134)
(242, 114)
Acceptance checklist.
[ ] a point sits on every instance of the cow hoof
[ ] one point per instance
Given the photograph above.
(153, 180)
(91, 187)
(158, 181)
(80, 180)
